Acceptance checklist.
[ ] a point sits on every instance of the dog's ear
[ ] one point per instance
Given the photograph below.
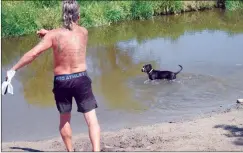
(150, 66)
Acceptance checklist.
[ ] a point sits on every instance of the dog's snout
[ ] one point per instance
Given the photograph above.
(142, 69)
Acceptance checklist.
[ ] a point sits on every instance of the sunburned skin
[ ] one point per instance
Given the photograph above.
(69, 49)
(69, 57)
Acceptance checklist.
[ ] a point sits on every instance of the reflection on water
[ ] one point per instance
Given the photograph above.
(110, 83)
(206, 44)
(114, 65)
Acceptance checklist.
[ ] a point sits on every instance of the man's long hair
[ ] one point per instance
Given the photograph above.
(70, 13)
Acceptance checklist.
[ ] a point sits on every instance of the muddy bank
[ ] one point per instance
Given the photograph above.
(217, 132)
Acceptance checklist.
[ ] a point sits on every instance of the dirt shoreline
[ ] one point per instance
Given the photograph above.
(219, 132)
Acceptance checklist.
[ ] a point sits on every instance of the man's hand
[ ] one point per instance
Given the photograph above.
(42, 32)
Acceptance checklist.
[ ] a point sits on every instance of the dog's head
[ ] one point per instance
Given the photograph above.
(146, 68)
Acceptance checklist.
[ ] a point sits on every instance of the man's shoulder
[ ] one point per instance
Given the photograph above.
(55, 32)
(84, 30)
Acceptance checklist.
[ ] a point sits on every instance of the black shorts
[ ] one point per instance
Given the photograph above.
(77, 85)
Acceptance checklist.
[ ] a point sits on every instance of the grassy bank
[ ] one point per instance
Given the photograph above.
(25, 17)
(234, 5)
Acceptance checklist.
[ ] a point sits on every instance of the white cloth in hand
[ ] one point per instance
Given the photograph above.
(6, 85)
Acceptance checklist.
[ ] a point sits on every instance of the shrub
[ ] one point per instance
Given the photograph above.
(142, 10)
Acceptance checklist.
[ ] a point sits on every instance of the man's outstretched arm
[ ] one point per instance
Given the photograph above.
(28, 57)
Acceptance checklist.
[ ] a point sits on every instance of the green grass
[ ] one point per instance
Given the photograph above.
(25, 17)
(234, 5)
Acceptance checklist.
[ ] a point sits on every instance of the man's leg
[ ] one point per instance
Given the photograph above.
(87, 104)
(94, 129)
(63, 97)
(65, 130)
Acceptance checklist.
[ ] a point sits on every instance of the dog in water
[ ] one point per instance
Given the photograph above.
(157, 74)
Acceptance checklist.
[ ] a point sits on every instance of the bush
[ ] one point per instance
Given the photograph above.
(49, 18)
(167, 7)
(46, 3)
(24, 17)
(114, 12)
(142, 10)
(92, 14)
(18, 18)
(234, 5)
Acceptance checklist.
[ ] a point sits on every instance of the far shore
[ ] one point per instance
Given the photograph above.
(217, 132)
(47, 14)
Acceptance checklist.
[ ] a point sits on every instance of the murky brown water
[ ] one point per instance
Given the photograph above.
(207, 44)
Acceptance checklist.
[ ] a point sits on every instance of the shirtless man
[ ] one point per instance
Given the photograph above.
(71, 79)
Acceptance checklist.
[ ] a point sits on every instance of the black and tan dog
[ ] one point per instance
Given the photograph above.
(157, 74)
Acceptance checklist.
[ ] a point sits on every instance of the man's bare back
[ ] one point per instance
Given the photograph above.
(71, 79)
(69, 50)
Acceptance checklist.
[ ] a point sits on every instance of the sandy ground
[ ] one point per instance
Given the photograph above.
(217, 132)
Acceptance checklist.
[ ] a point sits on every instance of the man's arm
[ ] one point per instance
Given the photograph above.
(42, 32)
(28, 57)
